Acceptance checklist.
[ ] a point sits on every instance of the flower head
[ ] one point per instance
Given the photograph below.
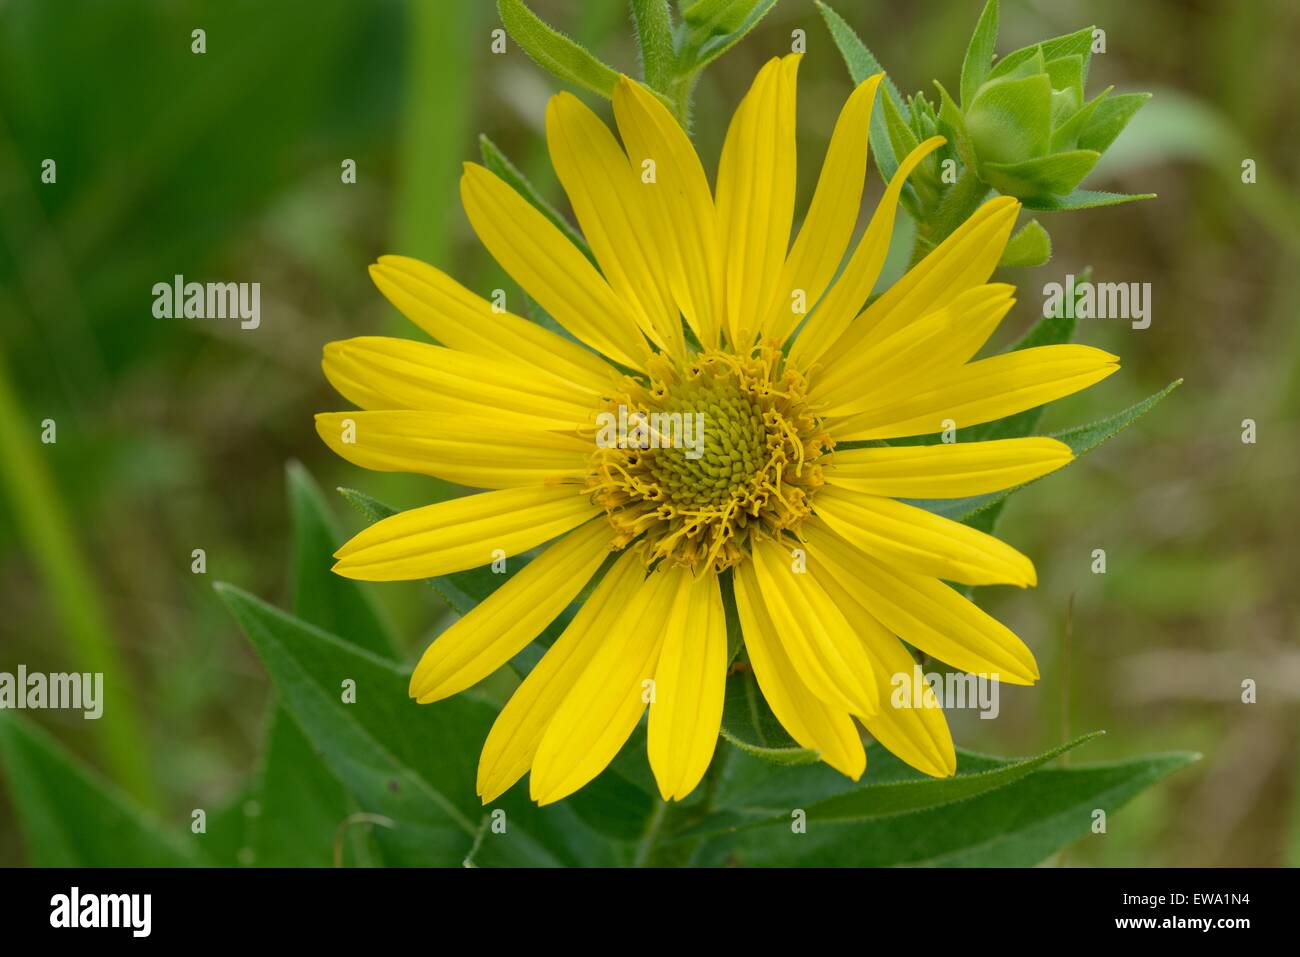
(750, 383)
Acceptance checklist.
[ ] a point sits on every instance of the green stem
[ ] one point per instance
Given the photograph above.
(70, 587)
(645, 847)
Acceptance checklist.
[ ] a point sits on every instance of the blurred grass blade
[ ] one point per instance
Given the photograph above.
(71, 590)
(555, 52)
(654, 33)
(69, 817)
(499, 163)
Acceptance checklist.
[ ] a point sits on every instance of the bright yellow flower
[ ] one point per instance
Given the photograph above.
(507, 405)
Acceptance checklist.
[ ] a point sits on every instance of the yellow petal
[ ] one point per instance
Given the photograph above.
(690, 683)
(512, 616)
(982, 391)
(383, 374)
(832, 215)
(679, 202)
(462, 533)
(838, 307)
(476, 452)
(923, 611)
(608, 200)
(912, 727)
(827, 656)
(923, 351)
(550, 268)
(922, 541)
(459, 319)
(756, 186)
(608, 699)
(518, 729)
(946, 470)
(966, 258)
(809, 720)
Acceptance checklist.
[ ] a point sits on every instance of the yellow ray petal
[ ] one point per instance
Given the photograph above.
(966, 258)
(982, 391)
(476, 452)
(920, 352)
(922, 541)
(608, 200)
(608, 699)
(679, 202)
(461, 320)
(518, 729)
(809, 720)
(462, 533)
(827, 656)
(914, 730)
(690, 683)
(946, 470)
(512, 616)
(838, 307)
(923, 611)
(832, 215)
(383, 374)
(549, 267)
(756, 186)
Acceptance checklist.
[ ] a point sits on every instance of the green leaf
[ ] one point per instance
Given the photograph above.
(1081, 199)
(499, 163)
(654, 33)
(1010, 121)
(748, 724)
(336, 604)
(1109, 120)
(713, 36)
(1030, 246)
(555, 52)
(862, 63)
(1046, 176)
(1070, 44)
(1018, 825)
(1082, 440)
(979, 53)
(412, 764)
(881, 796)
(71, 817)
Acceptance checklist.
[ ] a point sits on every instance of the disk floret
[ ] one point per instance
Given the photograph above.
(716, 448)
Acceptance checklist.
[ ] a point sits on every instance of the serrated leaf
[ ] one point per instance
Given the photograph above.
(874, 798)
(412, 764)
(1082, 440)
(748, 724)
(1030, 246)
(336, 604)
(979, 53)
(1081, 199)
(499, 163)
(862, 63)
(554, 52)
(1019, 825)
(69, 816)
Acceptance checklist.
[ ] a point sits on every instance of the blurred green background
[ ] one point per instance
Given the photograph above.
(174, 434)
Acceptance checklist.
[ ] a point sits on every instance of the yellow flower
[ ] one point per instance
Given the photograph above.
(829, 567)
